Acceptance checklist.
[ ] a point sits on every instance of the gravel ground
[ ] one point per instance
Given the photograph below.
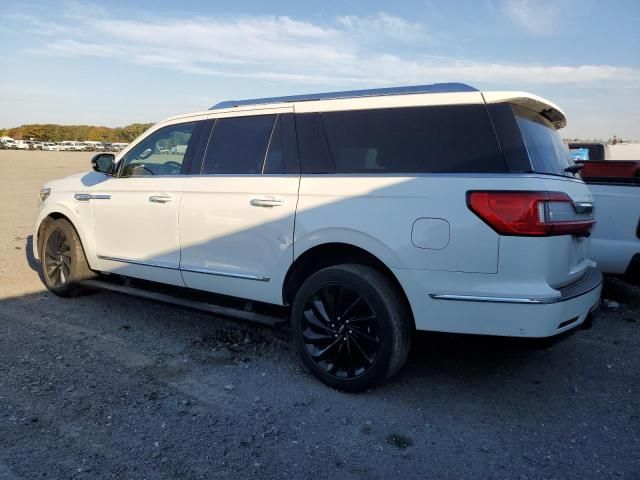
(108, 386)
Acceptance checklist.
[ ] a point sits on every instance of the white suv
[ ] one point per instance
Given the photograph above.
(365, 215)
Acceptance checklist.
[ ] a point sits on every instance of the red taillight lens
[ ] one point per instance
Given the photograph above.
(529, 213)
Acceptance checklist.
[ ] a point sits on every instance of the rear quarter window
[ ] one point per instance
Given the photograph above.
(441, 139)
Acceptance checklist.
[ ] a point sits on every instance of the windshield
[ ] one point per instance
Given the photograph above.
(547, 151)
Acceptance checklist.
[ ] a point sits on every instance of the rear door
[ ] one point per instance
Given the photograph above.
(237, 216)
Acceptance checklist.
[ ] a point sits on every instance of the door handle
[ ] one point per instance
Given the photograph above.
(266, 202)
(159, 198)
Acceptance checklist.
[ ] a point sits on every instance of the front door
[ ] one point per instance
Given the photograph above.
(237, 217)
(136, 211)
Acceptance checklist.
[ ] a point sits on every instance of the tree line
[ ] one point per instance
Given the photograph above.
(58, 133)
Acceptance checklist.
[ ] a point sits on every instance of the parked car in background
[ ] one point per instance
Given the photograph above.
(118, 146)
(615, 242)
(50, 146)
(588, 151)
(361, 216)
(72, 146)
(22, 145)
(93, 146)
(8, 143)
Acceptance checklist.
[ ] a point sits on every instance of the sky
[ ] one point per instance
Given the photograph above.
(119, 62)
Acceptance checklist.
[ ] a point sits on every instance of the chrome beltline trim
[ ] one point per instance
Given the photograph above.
(187, 268)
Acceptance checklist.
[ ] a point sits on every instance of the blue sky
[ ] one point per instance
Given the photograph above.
(119, 62)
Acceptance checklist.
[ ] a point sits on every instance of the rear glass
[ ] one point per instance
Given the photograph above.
(592, 151)
(547, 151)
(442, 139)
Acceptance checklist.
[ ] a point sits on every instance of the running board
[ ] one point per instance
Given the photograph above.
(185, 302)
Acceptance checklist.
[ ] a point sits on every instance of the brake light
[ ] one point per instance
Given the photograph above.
(525, 213)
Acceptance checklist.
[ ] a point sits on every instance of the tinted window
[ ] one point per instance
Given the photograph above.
(546, 149)
(161, 153)
(400, 140)
(238, 145)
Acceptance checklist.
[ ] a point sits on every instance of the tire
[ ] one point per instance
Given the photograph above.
(62, 259)
(351, 327)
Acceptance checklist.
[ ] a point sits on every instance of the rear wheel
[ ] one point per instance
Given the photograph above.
(63, 261)
(351, 327)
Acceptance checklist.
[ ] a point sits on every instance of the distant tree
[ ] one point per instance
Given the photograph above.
(58, 133)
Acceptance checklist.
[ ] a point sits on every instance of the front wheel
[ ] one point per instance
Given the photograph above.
(63, 261)
(351, 327)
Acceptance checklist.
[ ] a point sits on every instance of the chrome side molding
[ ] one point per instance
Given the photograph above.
(591, 280)
(85, 197)
(207, 271)
(187, 268)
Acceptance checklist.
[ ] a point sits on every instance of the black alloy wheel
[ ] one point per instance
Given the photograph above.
(340, 331)
(57, 259)
(64, 264)
(352, 326)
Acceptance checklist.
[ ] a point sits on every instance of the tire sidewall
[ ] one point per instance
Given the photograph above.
(344, 277)
(76, 254)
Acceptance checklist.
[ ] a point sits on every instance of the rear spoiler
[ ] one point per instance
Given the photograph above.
(544, 107)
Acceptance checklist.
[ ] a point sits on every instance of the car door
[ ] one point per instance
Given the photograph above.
(237, 216)
(136, 211)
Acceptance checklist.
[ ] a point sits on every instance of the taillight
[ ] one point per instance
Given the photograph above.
(525, 213)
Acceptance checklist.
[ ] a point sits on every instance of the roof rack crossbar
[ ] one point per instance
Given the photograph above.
(375, 92)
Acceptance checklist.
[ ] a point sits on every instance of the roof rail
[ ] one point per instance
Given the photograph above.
(374, 92)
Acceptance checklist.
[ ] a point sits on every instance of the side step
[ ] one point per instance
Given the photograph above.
(185, 302)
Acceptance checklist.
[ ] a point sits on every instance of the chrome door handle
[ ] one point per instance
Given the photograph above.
(159, 198)
(266, 202)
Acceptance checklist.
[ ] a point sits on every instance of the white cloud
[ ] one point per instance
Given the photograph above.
(283, 49)
(383, 26)
(540, 17)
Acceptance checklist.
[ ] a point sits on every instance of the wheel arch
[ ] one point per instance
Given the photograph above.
(56, 214)
(334, 253)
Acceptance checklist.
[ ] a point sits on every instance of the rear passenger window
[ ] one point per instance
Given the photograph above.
(400, 140)
(238, 145)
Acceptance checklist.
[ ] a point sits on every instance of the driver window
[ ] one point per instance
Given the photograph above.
(162, 153)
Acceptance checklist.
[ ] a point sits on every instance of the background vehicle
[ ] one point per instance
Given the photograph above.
(8, 143)
(72, 146)
(615, 242)
(364, 215)
(22, 145)
(50, 146)
(93, 146)
(587, 151)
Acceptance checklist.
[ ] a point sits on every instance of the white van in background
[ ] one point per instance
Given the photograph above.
(8, 143)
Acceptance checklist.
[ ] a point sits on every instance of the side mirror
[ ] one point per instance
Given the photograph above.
(103, 162)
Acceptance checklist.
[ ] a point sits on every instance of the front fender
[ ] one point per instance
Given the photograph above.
(79, 215)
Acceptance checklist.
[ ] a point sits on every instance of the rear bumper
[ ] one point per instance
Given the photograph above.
(514, 316)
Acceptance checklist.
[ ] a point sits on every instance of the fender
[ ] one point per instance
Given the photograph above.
(74, 216)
